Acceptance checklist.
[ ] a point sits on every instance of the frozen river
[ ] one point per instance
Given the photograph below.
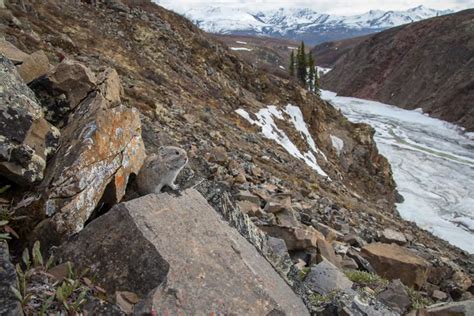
(432, 163)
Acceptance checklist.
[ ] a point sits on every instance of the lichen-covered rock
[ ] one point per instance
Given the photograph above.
(9, 304)
(102, 146)
(214, 271)
(394, 262)
(26, 138)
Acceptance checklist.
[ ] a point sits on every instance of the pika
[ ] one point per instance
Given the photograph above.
(161, 169)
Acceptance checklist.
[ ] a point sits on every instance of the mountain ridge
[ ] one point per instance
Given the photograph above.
(391, 67)
(300, 23)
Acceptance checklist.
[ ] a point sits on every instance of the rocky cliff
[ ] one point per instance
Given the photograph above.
(268, 205)
(428, 65)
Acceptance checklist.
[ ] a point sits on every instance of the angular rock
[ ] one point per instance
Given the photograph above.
(391, 236)
(9, 304)
(354, 240)
(101, 148)
(247, 196)
(121, 258)
(326, 230)
(361, 261)
(26, 138)
(280, 257)
(325, 277)
(278, 203)
(463, 308)
(296, 238)
(16, 55)
(209, 266)
(250, 208)
(34, 66)
(439, 295)
(395, 297)
(109, 85)
(394, 262)
(76, 81)
(326, 251)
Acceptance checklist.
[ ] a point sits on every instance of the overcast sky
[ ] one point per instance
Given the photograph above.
(346, 7)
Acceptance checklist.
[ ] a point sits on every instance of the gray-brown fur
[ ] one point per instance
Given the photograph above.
(161, 169)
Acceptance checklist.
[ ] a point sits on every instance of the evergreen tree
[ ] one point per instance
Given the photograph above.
(292, 64)
(311, 74)
(301, 65)
(316, 78)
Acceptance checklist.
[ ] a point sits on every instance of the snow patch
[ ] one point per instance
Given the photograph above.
(241, 48)
(322, 70)
(240, 42)
(337, 143)
(265, 119)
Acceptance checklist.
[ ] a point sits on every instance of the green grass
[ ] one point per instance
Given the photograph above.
(418, 301)
(362, 278)
(318, 300)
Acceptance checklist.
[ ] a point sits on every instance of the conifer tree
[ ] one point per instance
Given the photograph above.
(316, 78)
(292, 64)
(301, 63)
(311, 74)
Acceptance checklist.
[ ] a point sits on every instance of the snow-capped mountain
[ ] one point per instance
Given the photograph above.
(299, 23)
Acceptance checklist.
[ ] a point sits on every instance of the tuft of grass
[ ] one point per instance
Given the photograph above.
(318, 299)
(367, 279)
(303, 273)
(418, 301)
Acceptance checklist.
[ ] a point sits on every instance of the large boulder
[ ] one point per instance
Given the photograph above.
(9, 304)
(394, 262)
(101, 148)
(26, 138)
(208, 266)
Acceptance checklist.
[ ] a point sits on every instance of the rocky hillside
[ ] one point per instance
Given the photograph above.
(426, 65)
(269, 54)
(282, 198)
(327, 54)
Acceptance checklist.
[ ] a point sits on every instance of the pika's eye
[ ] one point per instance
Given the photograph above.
(177, 153)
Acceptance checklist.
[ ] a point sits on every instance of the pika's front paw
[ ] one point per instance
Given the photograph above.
(175, 187)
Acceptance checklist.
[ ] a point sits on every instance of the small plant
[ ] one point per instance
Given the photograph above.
(318, 299)
(418, 301)
(363, 278)
(303, 273)
(70, 294)
(6, 218)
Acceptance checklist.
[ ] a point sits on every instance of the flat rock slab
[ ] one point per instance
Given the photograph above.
(211, 268)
